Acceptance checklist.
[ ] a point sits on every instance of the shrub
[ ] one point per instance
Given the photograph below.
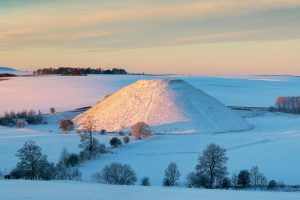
(67, 159)
(126, 139)
(103, 132)
(197, 180)
(140, 130)
(171, 175)
(66, 125)
(145, 181)
(33, 118)
(115, 142)
(70, 173)
(20, 123)
(122, 133)
(272, 185)
(225, 183)
(244, 179)
(52, 110)
(90, 147)
(118, 174)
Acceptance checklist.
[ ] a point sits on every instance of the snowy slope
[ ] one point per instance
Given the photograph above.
(167, 105)
(37, 190)
(9, 70)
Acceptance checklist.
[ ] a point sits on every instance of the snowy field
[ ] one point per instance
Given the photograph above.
(35, 190)
(65, 93)
(273, 145)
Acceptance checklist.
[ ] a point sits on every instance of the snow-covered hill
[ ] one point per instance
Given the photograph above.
(167, 105)
(8, 70)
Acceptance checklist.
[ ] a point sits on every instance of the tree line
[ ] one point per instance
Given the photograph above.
(210, 171)
(20, 118)
(77, 71)
(287, 104)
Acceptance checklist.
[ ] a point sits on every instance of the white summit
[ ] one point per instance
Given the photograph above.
(169, 106)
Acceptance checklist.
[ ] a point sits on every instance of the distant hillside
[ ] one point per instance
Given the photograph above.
(7, 69)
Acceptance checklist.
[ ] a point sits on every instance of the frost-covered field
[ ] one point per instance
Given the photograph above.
(72, 92)
(36, 190)
(273, 145)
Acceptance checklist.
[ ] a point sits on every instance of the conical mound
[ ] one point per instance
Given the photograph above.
(168, 106)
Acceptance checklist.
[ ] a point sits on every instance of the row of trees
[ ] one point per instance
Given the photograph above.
(78, 71)
(288, 104)
(20, 118)
(210, 172)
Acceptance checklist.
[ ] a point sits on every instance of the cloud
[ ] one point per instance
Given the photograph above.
(139, 24)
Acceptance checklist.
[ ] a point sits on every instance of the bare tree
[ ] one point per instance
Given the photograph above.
(257, 178)
(212, 163)
(90, 145)
(171, 175)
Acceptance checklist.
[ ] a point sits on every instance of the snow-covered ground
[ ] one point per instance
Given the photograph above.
(273, 144)
(50, 190)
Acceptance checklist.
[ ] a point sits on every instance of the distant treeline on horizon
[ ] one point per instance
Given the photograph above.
(78, 71)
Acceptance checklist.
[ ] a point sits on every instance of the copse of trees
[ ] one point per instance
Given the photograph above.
(33, 164)
(287, 104)
(13, 118)
(78, 71)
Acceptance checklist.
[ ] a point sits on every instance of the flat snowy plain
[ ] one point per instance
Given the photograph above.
(273, 144)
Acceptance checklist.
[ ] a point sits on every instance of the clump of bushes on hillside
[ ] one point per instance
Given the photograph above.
(11, 119)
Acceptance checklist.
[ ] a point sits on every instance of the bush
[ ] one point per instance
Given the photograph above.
(140, 130)
(171, 175)
(122, 133)
(117, 174)
(70, 173)
(198, 180)
(90, 147)
(126, 139)
(145, 181)
(103, 132)
(244, 179)
(33, 118)
(115, 142)
(272, 185)
(20, 123)
(225, 183)
(66, 125)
